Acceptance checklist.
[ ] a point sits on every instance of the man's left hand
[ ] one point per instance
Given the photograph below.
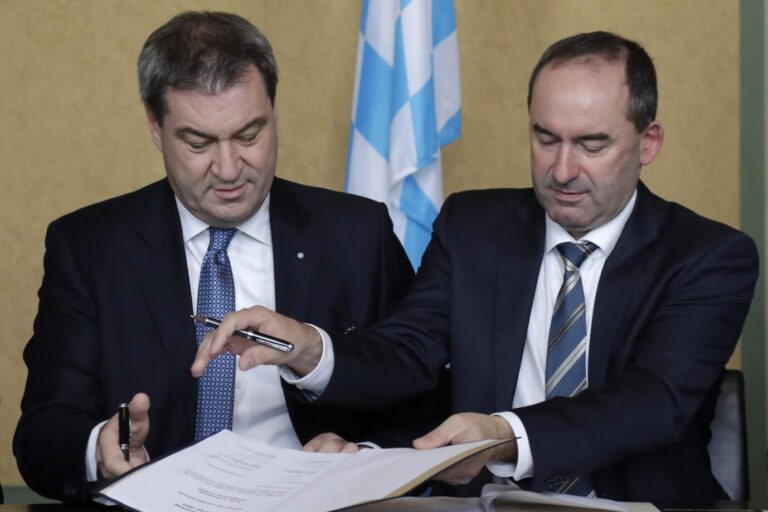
(330, 443)
(464, 428)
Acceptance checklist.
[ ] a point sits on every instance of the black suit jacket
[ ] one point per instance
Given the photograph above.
(113, 318)
(669, 310)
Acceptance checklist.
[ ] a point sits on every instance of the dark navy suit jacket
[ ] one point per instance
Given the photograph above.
(113, 319)
(670, 306)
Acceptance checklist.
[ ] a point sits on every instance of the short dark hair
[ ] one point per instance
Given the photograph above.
(202, 51)
(640, 72)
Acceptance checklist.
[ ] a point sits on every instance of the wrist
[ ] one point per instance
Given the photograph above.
(311, 352)
(508, 451)
(502, 427)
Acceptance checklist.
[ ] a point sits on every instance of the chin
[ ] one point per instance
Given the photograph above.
(232, 214)
(570, 224)
(224, 220)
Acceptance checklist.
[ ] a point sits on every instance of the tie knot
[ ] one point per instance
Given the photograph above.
(220, 238)
(575, 254)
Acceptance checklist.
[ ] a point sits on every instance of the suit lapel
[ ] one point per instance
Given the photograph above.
(617, 289)
(161, 271)
(520, 248)
(296, 249)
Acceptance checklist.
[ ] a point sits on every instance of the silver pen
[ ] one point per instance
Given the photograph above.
(269, 341)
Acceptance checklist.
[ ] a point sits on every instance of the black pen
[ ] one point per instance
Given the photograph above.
(124, 422)
(269, 341)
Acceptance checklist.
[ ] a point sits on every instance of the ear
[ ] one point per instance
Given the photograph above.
(154, 129)
(650, 142)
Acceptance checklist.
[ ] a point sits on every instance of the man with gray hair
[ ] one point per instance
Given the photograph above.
(220, 233)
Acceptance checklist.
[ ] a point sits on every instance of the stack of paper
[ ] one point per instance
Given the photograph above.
(231, 473)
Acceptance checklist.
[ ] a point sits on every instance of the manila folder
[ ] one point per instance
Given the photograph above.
(230, 473)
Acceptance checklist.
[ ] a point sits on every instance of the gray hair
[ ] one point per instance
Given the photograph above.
(202, 51)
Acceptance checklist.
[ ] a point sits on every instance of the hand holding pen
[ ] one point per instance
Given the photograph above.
(304, 346)
(124, 434)
(269, 341)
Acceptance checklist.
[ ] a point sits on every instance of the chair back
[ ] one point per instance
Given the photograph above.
(728, 446)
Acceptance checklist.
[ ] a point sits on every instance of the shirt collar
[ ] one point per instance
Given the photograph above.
(256, 227)
(604, 237)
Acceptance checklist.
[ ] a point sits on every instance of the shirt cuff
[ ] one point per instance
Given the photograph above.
(314, 383)
(91, 468)
(523, 468)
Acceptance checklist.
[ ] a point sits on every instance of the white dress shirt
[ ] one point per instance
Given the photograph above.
(531, 379)
(259, 411)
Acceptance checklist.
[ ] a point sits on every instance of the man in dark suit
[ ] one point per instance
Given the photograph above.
(121, 277)
(648, 298)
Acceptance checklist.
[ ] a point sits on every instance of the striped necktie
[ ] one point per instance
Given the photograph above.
(567, 350)
(215, 298)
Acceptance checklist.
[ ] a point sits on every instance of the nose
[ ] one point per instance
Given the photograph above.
(565, 167)
(228, 162)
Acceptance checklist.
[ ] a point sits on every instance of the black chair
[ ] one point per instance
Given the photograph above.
(728, 447)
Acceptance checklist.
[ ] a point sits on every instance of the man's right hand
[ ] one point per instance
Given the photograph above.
(308, 345)
(109, 457)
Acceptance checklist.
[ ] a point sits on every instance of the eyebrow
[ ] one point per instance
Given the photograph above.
(257, 122)
(587, 136)
(540, 129)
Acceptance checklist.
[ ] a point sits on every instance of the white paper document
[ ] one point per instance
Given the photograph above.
(506, 498)
(497, 498)
(230, 473)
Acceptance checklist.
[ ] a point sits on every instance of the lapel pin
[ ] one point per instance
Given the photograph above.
(300, 255)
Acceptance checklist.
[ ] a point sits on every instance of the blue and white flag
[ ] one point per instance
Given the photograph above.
(406, 106)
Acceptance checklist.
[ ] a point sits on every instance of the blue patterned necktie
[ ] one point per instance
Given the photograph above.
(567, 349)
(215, 298)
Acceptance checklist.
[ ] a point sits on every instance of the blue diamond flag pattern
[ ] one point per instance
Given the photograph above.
(406, 106)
